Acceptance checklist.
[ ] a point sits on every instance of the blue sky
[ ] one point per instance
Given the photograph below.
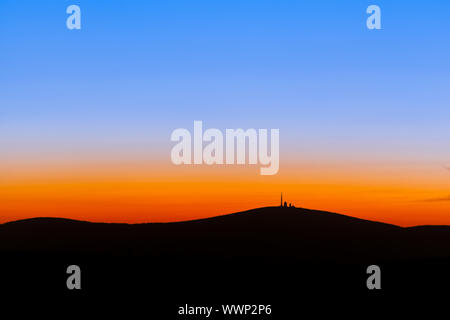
(139, 69)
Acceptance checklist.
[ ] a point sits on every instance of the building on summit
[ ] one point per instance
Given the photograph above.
(285, 205)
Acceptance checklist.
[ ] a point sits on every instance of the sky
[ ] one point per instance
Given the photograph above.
(86, 115)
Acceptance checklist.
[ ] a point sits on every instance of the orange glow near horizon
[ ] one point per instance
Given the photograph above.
(163, 193)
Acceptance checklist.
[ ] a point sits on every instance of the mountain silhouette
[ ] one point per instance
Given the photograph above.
(256, 253)
(263, 232)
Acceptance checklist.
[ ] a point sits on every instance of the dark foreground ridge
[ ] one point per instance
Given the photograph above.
(253, 255)
(269, 232)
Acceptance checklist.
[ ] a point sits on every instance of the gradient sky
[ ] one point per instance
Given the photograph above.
(86, 115)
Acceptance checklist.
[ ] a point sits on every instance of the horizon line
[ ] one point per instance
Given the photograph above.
(212, 217)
